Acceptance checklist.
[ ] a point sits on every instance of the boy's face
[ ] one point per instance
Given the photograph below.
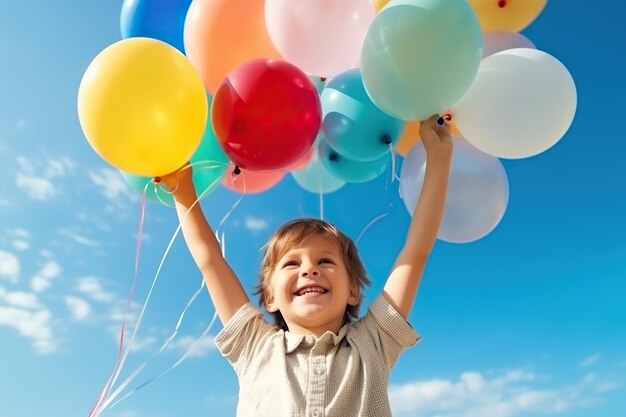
(311, 286)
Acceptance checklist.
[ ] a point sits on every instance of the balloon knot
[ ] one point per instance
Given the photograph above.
(157, 180)
(333, 157)
(237, 170)
(322, 79)
(502, 4)
(448, 117)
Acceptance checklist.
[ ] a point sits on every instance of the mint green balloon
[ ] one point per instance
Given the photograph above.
(350, 170)
(316, 178)
(420, 56)
(209, 165)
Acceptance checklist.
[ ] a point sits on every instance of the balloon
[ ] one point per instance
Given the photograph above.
(142, 106)
(478, 191)
(319, 82)
(349, 170)
(316, 178)
(494, 42)
(251, 182)
(520, 104)
(352, 124)
(379, 4)
(323, 37)
(419, 56)
(300, 162)
(159, 19)
(509, 15)
(266, 114)
(222, 34)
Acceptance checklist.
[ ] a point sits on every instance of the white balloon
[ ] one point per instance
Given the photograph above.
(322, 37)
(478, 191)
(497, 41)
(521, 103)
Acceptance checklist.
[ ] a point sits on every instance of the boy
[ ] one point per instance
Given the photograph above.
(314, 361)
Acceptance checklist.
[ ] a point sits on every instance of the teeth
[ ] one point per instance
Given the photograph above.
(310, 290)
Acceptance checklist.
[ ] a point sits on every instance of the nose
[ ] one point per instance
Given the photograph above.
(310, 270)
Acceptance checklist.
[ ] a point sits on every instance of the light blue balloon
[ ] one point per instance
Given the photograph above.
(420, 56)
(350, 170)
(352, 123)
(315, 177)
(159, 19)
(319, 82)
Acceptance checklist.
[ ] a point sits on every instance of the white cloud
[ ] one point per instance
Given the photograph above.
(91, 287)
(80, 239)
(195, 347)
(19, 233)
(42, 280)
(590, 360)
(58, 167)
(111, 184)
(507, 394)
(9, 266)
(34, 325)
(255, 223)
(36, 188)
(20, 244)
(79, 308)
(20, 299)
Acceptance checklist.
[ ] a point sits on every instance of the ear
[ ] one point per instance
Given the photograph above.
(355, 294)
(269, 304)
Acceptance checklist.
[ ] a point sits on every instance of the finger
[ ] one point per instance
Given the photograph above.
(432, 120)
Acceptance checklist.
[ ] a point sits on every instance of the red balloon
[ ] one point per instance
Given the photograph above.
(251, 182)
(266, 114)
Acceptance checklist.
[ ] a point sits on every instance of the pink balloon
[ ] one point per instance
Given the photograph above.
(251, 182)
(322, 37)
(498, 41)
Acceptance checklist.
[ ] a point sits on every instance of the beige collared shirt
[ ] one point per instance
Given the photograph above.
(284, 374)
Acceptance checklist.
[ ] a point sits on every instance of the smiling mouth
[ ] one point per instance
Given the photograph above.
(311, 291)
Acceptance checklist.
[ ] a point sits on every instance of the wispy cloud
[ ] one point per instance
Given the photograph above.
(590, 360)
(42, 279)
(196, 347)
(91, 287)
(507, 394)
(36, 188)
(112, 185)
(255, 224)
(34, 325)
(20, 299)
(78, 308)
(78, 238)
(9, 266)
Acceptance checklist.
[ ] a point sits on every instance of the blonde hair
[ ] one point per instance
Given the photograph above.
(294, 232)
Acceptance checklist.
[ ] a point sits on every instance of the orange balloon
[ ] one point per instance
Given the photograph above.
(379, 4)
(223, 34)
(509, 15)
(411, 135)
(250, 182)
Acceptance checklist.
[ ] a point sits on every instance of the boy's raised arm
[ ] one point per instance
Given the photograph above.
(403, 282)
(224, 287)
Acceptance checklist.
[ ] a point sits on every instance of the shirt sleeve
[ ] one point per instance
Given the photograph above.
(390, 331)
(242, 335)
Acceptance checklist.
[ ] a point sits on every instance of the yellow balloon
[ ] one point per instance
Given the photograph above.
(508, 15)
(379, 4)
(142, 106)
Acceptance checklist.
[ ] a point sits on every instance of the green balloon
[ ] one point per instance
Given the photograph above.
(420, 56)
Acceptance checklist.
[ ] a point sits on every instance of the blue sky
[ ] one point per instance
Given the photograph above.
(528, 321)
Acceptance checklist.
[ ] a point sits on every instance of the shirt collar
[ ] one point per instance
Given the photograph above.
(293, 340)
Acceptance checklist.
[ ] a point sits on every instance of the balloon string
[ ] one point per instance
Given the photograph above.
(394, 175)
(97, 410)
(107, 387)
(369, 225)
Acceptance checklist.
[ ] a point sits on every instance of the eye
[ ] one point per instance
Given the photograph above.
(290, 263)
(326, 261)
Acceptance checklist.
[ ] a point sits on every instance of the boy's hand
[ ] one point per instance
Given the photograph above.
(436, 136)
(182, 177)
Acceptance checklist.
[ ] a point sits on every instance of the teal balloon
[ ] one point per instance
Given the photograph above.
(420, 56)
(209, 165)
(319, 82)
(352, 123)
(350, 170)
(316, 178)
